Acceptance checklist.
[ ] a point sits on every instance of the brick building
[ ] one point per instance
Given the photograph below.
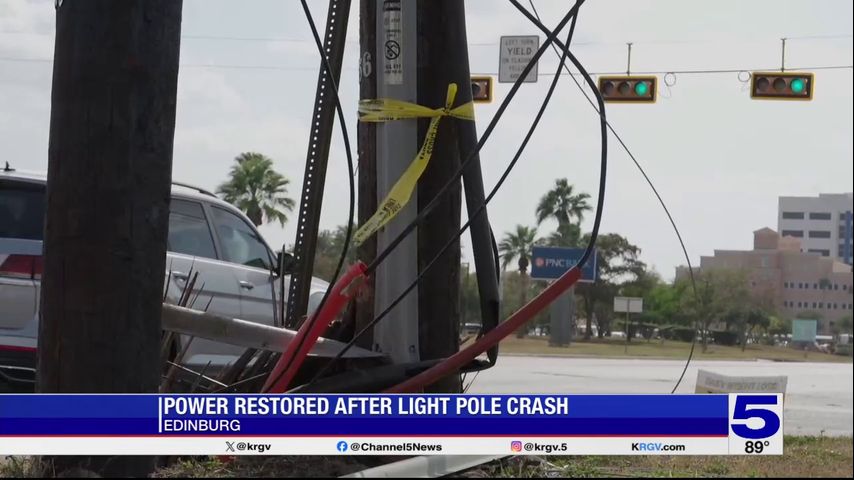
(795, 281)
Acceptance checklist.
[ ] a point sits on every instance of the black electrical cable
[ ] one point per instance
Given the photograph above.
(492, 193)
(603, 123)
(496, 256)
(651, 185)
(492, 124)
(350, 167)
(467, 387)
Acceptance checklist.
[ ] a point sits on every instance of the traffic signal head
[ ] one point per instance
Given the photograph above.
(781, 86)
(481, 89)
(628, 89)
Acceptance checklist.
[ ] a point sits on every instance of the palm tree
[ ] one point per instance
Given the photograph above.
(564, 205)
(567, 207)
(258, 190)
(518, 244)
(567, 235)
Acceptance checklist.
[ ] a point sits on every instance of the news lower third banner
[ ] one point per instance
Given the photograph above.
(709, 424)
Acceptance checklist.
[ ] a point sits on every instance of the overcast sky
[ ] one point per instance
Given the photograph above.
(719, 159)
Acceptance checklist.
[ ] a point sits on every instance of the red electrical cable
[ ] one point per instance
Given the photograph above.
(290, 362)
(520, 317)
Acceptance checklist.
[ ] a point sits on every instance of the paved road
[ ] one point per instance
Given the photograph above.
(818, 399)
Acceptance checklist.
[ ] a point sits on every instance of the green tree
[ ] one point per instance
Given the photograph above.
(722, 298)
(516, 290)
(619, 267)
(566, 235)
(844, 324)
(330, 243)
(779, 326)
(643, 284)
(665, 302)
(518, 245)
(563, 204)
(567, 207)
(756, 318)
(258, 190)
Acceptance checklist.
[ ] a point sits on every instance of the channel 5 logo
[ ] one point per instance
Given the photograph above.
(516, 446)
(755, 416)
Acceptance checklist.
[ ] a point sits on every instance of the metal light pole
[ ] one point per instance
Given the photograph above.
(396, 146)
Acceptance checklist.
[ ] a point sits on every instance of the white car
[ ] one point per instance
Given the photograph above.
(236, 271)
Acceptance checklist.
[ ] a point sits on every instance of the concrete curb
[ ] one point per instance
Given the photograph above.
(675, 359)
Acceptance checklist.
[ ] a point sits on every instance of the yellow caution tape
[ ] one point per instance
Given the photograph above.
(387, 109)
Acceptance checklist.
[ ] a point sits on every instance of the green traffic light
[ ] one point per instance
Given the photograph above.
(798, 85)
(641, 88)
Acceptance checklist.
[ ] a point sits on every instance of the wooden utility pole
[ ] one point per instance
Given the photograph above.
(110, 164)
(441, 44)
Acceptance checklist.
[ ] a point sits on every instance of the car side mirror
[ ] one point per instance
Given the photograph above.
(286, 263)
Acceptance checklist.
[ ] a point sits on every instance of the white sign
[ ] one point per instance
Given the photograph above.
(628, 304)
(516, 52)
(393, 45)
(708, 382)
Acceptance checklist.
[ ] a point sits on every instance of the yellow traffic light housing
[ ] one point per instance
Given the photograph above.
(481, 89)
(781, 85)
(628, 88)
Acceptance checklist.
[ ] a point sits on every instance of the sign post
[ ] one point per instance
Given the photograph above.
(560, 334)
(549, 263)
(516, 52)
(628, 305)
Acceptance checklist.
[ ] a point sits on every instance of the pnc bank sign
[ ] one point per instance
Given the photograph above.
(554, 262)
(549, 263)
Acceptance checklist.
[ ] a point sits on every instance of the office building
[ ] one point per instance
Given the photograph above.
(792, 280)
(822, 223)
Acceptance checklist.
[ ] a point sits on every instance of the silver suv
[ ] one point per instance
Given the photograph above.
(235, 268)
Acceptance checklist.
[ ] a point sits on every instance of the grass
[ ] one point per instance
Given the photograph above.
(18, 467)
(812, 457)
(263, 467)
(217, 467)
(607, 348)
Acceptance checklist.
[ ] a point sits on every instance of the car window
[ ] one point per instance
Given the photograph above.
(240, 242)
(314, 302)
(21, 210)
(188, 230)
